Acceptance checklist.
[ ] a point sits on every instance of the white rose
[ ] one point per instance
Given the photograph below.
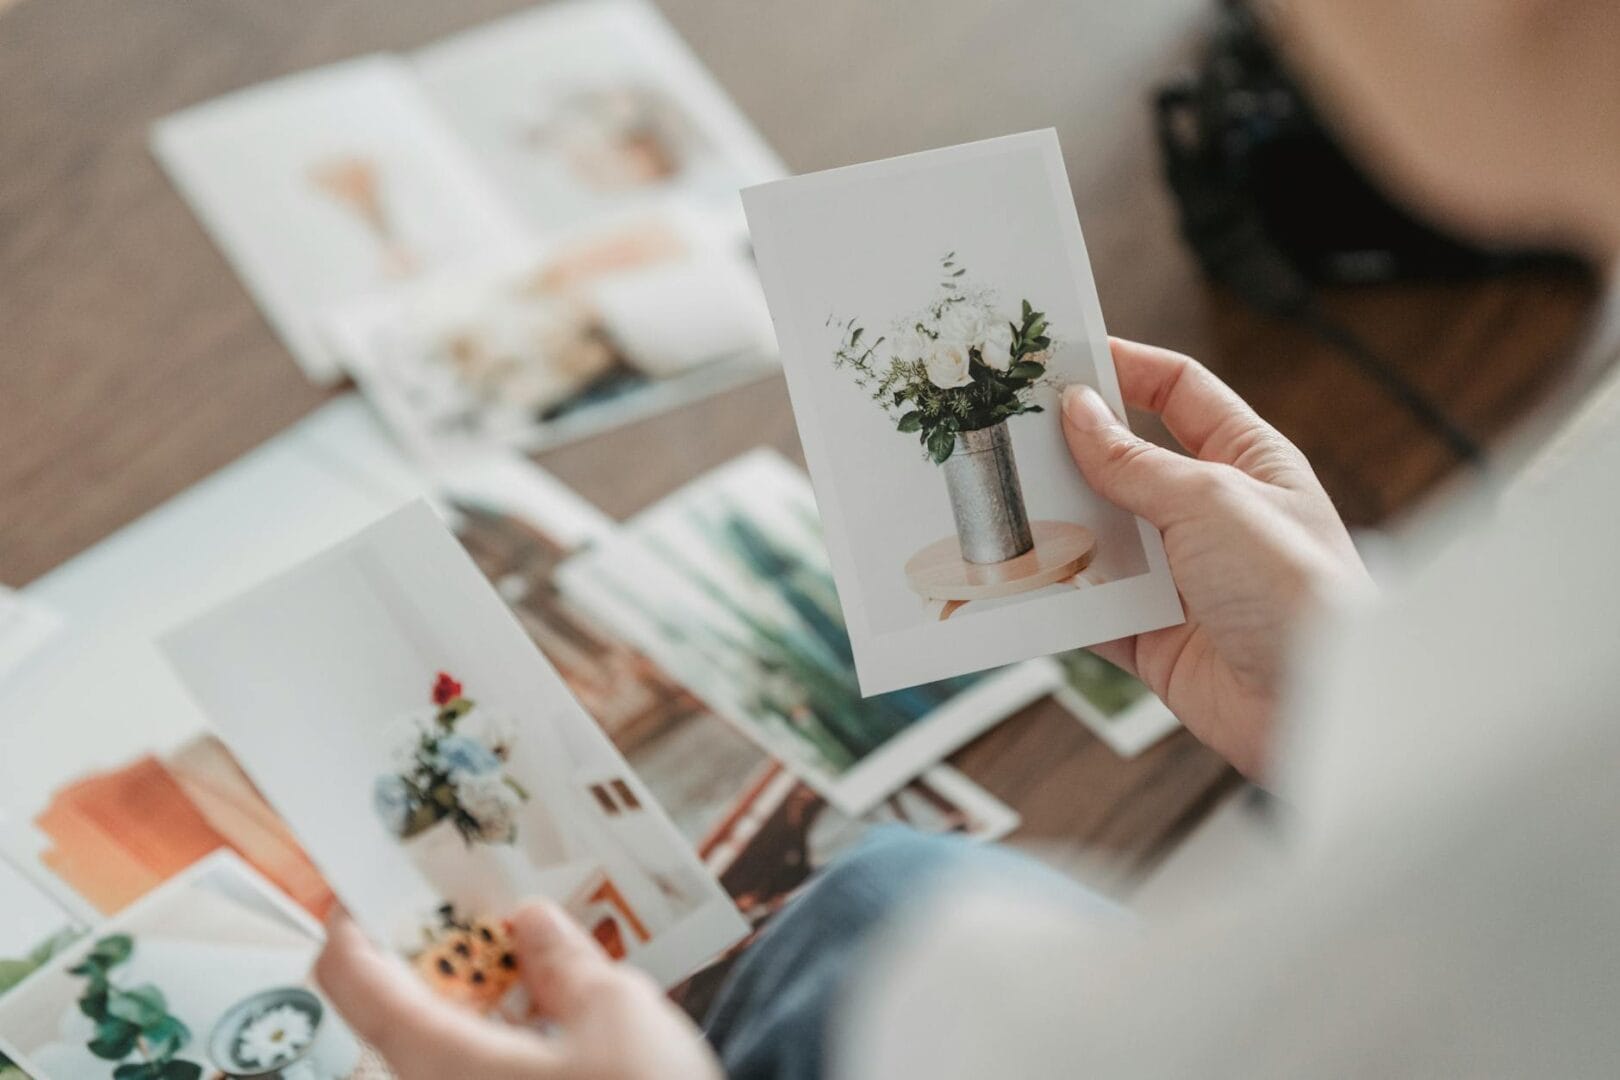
(947, 364)
(492, 803)
(996, 352)
(962, 323)
(907, 345)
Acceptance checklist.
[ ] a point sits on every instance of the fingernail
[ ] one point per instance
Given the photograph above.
(1084, 408)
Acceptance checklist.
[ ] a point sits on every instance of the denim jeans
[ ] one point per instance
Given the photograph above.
(770, 1019)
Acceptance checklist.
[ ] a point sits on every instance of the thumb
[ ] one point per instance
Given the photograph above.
(560, 964)
(1130, 472)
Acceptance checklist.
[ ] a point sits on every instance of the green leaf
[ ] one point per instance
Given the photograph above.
(1034, 408)
(856, 336)
(940, 444)
(93, 1002)
(113, 949)
(1037, 328)
(166, 1036)
(960, 272)
(114, 1039)
(141, 1006)
(1028, 311)
(1027, 369)
(138, 1070)
(180, 1070)
(912, 421)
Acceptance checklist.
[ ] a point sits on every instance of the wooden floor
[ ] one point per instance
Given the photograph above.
(132, 363)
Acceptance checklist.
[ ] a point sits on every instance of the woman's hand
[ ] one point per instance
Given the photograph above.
(611, 1022)
(1251, 536)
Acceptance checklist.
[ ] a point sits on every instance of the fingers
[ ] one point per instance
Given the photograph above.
(1132, 473)
(1204, 414)
(560, 964)
(388, 1006)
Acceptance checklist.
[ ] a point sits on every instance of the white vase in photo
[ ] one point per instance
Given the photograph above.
(478, 878)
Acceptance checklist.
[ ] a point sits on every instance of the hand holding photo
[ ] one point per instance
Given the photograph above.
(437, 769)
(945, 298)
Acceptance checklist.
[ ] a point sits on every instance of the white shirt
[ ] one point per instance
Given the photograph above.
(1452, 907)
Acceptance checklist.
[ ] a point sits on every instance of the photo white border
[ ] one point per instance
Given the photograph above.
(1036, 627)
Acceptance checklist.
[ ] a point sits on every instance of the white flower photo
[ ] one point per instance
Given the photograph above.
(930, 310)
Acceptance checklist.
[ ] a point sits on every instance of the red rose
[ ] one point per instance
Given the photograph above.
(445, 690)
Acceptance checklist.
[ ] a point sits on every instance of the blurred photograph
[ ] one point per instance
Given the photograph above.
(931, 309)
(726, 584)
(455, 774)
(585, 107)
(606, 324)
(324, 186)
(206, 976)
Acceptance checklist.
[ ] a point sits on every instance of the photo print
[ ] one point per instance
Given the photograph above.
(581, 108)
(324, 186)
(726, 584)
(206, 976)
(604, 324)
(930, 310)
(1115, 705)
(436, 767)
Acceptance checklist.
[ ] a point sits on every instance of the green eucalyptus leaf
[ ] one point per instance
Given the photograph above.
(114, 1039)
(166, 1035)
(180, 1070)
(1028, 311)
(141, 1006)
(940, 445)
(93, 1002)
(1027, 369)
(912, 421)
(111, 950)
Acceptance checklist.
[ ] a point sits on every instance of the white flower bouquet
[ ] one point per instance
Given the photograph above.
(451, 771)
(959, 365)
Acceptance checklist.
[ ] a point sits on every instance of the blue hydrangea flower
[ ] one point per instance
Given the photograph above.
(460, 755)
(392, 800)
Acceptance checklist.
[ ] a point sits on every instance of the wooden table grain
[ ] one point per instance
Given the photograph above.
(132, 363)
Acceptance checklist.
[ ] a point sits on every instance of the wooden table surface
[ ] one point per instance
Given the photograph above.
(132, 363)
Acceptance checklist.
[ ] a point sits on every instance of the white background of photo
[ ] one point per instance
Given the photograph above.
(867, 242)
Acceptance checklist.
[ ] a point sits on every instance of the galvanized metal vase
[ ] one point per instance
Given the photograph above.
(986, 498)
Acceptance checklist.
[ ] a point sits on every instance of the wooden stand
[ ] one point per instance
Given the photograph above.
(938, 571)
